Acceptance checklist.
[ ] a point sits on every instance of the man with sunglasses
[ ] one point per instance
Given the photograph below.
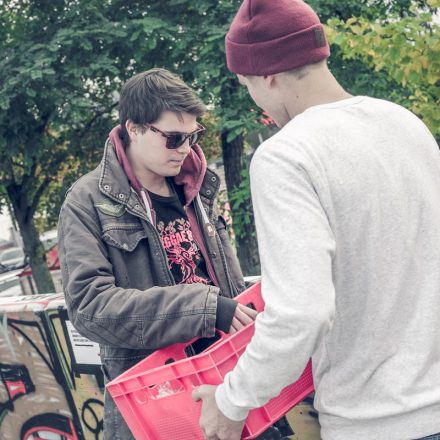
(145, 255)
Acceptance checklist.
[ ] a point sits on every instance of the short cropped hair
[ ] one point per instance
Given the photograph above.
(303, 71)
(145, 96)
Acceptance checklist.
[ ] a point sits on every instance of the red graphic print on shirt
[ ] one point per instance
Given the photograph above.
(182, 250)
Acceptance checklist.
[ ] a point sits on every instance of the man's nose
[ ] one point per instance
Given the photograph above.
(184, 148)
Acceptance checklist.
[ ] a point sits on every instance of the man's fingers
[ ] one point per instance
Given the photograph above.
(242, 317)
(203, 391)
(196, 395)
(199, 393)
(250, 312)
(236, 324)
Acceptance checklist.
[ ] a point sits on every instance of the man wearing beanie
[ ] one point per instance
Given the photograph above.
(347, 205)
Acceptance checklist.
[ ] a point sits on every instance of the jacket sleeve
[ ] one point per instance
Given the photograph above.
(235, 273)
(120, 317)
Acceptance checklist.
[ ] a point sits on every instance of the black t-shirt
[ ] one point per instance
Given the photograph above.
(185, 260)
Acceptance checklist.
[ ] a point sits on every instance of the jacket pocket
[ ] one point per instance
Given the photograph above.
(121, 360)
(124, 236)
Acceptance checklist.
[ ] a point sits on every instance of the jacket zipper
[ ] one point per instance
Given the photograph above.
(225, 264)
(219, 247)
(205, 256)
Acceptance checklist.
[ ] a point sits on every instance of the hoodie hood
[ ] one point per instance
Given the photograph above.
(191, 173)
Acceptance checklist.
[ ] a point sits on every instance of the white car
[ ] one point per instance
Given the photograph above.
(49, 239)
(12, 258)
(10, 284)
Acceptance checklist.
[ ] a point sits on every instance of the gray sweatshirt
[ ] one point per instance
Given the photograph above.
(347, 209)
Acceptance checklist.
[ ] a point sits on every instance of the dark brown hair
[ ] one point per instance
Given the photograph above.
(145, 96)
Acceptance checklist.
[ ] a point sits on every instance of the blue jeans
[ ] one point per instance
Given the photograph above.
(431, 437)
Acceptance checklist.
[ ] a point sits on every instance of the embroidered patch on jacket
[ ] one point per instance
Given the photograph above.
(319, 38)
(113, 209)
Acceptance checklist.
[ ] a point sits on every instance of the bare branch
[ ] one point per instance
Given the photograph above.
(83, 131)
(10, 166)
(44, 123)
(37, 196)
(28, 178)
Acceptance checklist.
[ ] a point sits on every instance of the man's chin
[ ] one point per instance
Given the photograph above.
(174, 172)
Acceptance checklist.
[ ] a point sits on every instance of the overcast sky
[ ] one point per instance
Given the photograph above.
(5, 223)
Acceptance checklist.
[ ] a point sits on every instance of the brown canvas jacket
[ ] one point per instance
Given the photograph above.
(118, 288)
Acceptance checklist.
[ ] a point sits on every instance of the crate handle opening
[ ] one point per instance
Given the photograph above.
(166, 389)
(141, 397)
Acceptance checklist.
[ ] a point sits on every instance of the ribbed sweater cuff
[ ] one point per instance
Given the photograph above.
(228, 409)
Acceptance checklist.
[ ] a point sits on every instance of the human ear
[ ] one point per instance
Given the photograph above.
(269, 80)
(241, 79)
(131, 128)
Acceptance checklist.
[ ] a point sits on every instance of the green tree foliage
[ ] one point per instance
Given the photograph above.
(406, 49)
(355, 74)
(61, 64)
(239, 200)
(64, 60)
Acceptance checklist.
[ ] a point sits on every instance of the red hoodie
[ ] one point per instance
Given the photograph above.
(191, 177)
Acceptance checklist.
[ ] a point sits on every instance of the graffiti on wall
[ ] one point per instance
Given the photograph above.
(51, 385)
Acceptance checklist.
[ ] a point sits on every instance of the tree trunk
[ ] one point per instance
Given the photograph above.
(37, 257)
(247, 249)
(33, 247)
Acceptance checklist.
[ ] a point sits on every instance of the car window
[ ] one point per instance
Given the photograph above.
(9, 255)
(49, 243)
(49, 239)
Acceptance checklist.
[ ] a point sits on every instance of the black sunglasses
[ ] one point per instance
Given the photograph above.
(176, 139)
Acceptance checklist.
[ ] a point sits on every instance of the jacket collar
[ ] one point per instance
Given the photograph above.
(114, 183)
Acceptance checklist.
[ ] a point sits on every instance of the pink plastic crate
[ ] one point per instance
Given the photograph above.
(154, 396)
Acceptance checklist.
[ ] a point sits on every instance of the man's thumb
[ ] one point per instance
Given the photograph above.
(196, 395)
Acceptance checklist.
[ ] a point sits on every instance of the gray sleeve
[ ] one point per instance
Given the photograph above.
(115, 316)
(297, 248)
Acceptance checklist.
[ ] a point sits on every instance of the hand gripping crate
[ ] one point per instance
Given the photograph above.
(154, 396)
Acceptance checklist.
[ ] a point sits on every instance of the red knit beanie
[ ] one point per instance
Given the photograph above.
(273, 36)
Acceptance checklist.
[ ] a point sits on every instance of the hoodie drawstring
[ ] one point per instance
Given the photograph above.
(147, 206)
(208, 227)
